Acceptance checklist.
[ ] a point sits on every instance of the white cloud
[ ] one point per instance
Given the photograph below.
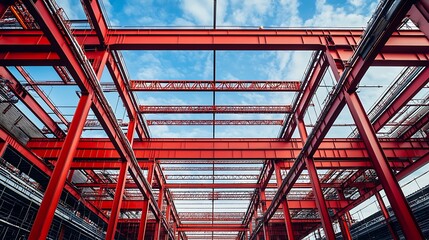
(356, 3)
(200, 12)
(330, 16)
(153, 69)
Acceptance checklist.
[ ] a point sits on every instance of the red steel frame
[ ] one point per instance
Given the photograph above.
(54, 45)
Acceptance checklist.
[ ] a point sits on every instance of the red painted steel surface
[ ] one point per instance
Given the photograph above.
(215, 109)
(215, 122)
(339, 149)
(219, 86)
(349, 54)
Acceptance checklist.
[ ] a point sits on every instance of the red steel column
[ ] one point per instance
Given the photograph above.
(117, 201)
(264, 209)
(120, 187)
(286, 213)
(167, 217)
(385, 213)
(145, 207)
(52, 195)
(46, 212)
(396, 197)
(159, 221)
(342, 221)
(345, 231)
(3, 146)
(317, 189)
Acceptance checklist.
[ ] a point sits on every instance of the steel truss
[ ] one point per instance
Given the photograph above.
(126, 178)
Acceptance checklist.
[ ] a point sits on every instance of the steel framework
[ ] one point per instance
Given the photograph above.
(136, 186)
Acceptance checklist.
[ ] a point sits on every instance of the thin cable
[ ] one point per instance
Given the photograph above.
(214, 114)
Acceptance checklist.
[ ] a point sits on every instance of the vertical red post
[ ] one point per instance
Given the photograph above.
(159, 221)
(386, 216)
(264, 209)
(46, 212)
(345, 230)
(317, 189)
(396, 197)
(120, 187)
(117, 201)
(168, 217)
(255, 216)
(45, 215)
(3, 147)
(286, 213)
(145, 207)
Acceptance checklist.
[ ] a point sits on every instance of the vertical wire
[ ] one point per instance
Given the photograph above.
(214, 112)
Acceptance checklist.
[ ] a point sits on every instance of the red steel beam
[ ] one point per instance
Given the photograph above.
(340, 149)
(42, 95)
(219, 86)
(42, 166)
(285, 207)
(314, 77)
(391, 186)
(316, 187)
(214, 122)
(371, 44)
(419, 14)
(51, 197)
(97, 20)
(210, 228)
(401, 175)
(117, 202)
(83, 73)
(119, 78)
(423, 120)
(31, 103)
(10, 58)
(135, 205)
(215, 109)
(386, 216)
(415, 86)
(266, 174)
(155, 39)
(222, 185)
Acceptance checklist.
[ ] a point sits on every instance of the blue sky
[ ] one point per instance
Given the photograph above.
(230, 65)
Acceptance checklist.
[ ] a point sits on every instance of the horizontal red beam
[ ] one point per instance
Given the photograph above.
(196, 39)
(329, 149)
(132, 205)
(211, 228)
(152, 221)
(230, 85)
(216, 109)
(215, 122)
(222, 185)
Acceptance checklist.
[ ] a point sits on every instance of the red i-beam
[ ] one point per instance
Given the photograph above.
(316, 187)
(286, 212)
(390, 184)
(52, 195)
